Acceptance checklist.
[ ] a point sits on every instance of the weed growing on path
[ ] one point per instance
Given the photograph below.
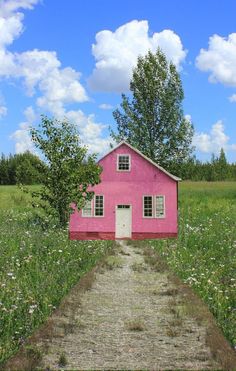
(112, 262)
(62, 360)
(135, 325)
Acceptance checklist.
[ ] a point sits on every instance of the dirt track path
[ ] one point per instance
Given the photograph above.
(131, 318)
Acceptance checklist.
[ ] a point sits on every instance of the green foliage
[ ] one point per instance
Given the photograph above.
(37, 269)
(204, 255)
(222, 166)
(62, 360)
(216, 170)
(153, 121)
(25, 168)
(69, 172)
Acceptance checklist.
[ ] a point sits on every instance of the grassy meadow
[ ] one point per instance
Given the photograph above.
(37, 268)
(204, 255)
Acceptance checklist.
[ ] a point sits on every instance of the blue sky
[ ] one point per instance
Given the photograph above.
(74, 58)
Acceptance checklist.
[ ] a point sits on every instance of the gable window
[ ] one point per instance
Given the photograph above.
(87, 209)
(147, 206)
(123, 163)
(99, 205)
(160, 206)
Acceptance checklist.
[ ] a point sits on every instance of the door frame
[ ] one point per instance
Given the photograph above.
(130, 208)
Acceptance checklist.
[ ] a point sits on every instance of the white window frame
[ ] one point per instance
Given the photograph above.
(88, 216)
(117, 162)
(99, 216)
(164, 207)
(144, 216)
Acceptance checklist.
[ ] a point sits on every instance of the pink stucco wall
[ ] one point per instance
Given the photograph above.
(129, 188)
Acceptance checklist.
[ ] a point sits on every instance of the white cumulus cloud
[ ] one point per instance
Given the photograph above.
(232, 99)
(116, 53)
(38, 69)
(106, 106)
(59, 88)
(91, 132)
(11, 27)
(30, 115)
(22, 139)
(11, 19)
(34, 66)
(215, 140)
(7, 7)
(219, 59)
(22, 136)
(3, 111)
(3, 108)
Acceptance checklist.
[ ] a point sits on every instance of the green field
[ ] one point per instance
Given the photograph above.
(204, 255)
(37, 268)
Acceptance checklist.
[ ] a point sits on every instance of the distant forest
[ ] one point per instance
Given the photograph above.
(216, 169)
(24, 168)
(27, 168)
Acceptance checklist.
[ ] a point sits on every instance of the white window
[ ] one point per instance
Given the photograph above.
(123, 163)
(160, 206)
(99, 205)
(147, 206)
(87, 209)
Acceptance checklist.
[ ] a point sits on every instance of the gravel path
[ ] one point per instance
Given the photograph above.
(132, 318)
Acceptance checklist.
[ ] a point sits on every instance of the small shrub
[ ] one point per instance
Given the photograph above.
(135, 325)
(172, 332)
(112, 262)
(62, 360)
(138, 267)
(122, 252)
(169, 292)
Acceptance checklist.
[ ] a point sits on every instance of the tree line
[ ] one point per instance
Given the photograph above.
(217, 169)
(27, 168)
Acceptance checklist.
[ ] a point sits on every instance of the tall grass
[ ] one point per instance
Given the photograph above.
(204, 255)
(37, 268)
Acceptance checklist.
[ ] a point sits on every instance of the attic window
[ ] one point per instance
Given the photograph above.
(123, 163)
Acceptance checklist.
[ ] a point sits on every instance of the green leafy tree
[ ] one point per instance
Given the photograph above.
(153, 120)
(4, 176)
(30, 169)
(25, 168)
(69, 171)
(222, 166)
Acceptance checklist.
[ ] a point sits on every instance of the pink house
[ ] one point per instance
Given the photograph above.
(136, 199)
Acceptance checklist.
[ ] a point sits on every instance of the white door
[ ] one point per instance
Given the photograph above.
(123, 221)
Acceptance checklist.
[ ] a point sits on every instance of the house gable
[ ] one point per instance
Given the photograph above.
(141, 167)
